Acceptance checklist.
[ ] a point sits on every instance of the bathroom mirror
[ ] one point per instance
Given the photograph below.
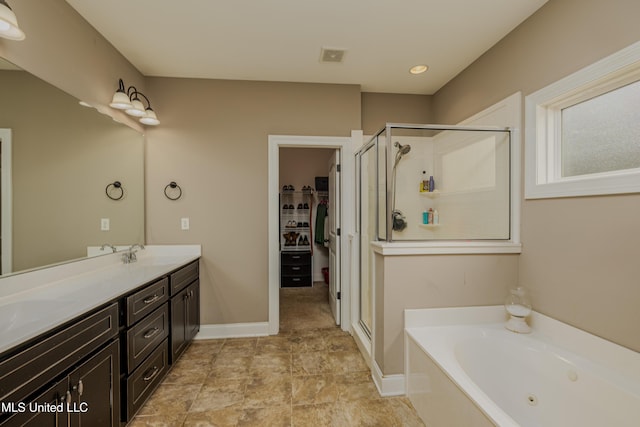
(58, 157)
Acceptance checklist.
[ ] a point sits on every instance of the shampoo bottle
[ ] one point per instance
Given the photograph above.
(424, 184)
(432, 185)
(425, 217)
(436, 217)
(430, 216)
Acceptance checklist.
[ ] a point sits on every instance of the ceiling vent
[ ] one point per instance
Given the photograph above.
(332, 55)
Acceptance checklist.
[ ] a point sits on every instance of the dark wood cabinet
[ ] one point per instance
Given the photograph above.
(86, 396)
(95, 390)
(185, 318)
(101, 367)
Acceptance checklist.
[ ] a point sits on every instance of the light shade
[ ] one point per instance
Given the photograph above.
(120, 101)
(150, 118)
(137, 108)
(9, 24)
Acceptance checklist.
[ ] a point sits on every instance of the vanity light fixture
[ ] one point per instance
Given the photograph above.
(129, 101)
(418, 69)
(9, 23)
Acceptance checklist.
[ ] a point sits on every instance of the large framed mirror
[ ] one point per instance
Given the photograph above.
(58, 157)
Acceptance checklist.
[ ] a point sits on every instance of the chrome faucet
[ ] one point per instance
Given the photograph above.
(130, 255)
(106, 245)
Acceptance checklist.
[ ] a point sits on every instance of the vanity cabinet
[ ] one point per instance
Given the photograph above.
(99, 368)
(76, 366)
(185, 308)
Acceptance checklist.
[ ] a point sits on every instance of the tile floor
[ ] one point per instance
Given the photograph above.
(311, 374)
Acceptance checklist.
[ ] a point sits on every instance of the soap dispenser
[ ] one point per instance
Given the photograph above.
(518, 306)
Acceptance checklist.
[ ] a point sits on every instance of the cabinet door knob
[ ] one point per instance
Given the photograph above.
(79, 388)
(150, 333)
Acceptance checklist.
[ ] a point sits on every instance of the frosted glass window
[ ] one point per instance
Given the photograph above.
(602, 134)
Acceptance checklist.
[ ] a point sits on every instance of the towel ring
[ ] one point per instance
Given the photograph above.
(117, 185)
(173, 185)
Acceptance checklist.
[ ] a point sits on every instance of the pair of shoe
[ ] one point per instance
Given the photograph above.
(303, 241)
(301, 206)
(303, 224)
(292, 224)
(285, 206)
(307, 189)
(288, 188)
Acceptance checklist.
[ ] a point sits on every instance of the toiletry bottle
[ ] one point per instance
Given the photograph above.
(436, 217)
(430, 216)
(432, 185)
(424, 184)
(425, 217)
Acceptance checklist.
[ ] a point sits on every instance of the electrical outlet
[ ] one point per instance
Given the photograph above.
(184, 223)
(104, 224)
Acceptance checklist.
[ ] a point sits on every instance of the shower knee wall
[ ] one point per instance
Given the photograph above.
(432, 281)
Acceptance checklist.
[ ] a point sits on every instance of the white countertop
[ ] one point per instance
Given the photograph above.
(35, 302)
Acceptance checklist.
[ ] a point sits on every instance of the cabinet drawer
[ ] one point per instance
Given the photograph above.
(295, 270)
(25, 372)
(295, 259)
(145, 301)
(144, 380)
(295, 281)
(143, 338)
(183, 277)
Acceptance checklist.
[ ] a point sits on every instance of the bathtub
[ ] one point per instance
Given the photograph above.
(463, 368)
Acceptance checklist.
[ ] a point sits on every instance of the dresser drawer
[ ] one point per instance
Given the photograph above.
(144, 337)
(183, 277)
(296, 281)
(295, 258)
(145, 301)
(139, 385)
(295, 270)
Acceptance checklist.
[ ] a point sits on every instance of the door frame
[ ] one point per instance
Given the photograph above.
(347, 146)
(6, 228)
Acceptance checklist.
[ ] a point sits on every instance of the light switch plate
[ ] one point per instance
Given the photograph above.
(184, 223)
(104, 224)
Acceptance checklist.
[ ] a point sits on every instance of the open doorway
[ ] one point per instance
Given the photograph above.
(305, 245)
(338, 148)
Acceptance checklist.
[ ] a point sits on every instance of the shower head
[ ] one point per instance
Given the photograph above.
(402, 149)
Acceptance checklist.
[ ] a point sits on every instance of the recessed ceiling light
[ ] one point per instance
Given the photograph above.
(418, 69)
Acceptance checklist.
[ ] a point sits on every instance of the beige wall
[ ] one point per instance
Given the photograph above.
(63, 49)
(579, 256)
(213, 142)
(63, 156)
(381, 108)
(433, 281)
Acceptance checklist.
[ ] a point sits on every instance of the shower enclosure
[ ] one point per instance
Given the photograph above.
(430, 183)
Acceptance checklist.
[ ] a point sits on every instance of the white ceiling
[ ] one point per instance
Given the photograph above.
(281, 40)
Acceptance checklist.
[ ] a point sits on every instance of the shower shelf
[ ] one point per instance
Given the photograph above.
(430, 194)
(429, 225)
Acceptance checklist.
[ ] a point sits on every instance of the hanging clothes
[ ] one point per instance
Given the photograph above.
(321, 214)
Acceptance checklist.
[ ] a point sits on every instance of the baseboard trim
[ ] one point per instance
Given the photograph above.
(233, 330)
(388, 385)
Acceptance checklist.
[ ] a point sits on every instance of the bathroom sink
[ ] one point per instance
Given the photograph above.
(29, 311)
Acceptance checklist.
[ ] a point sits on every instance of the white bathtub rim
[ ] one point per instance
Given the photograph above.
(615, 357)
(621, 361)
(456, 374)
